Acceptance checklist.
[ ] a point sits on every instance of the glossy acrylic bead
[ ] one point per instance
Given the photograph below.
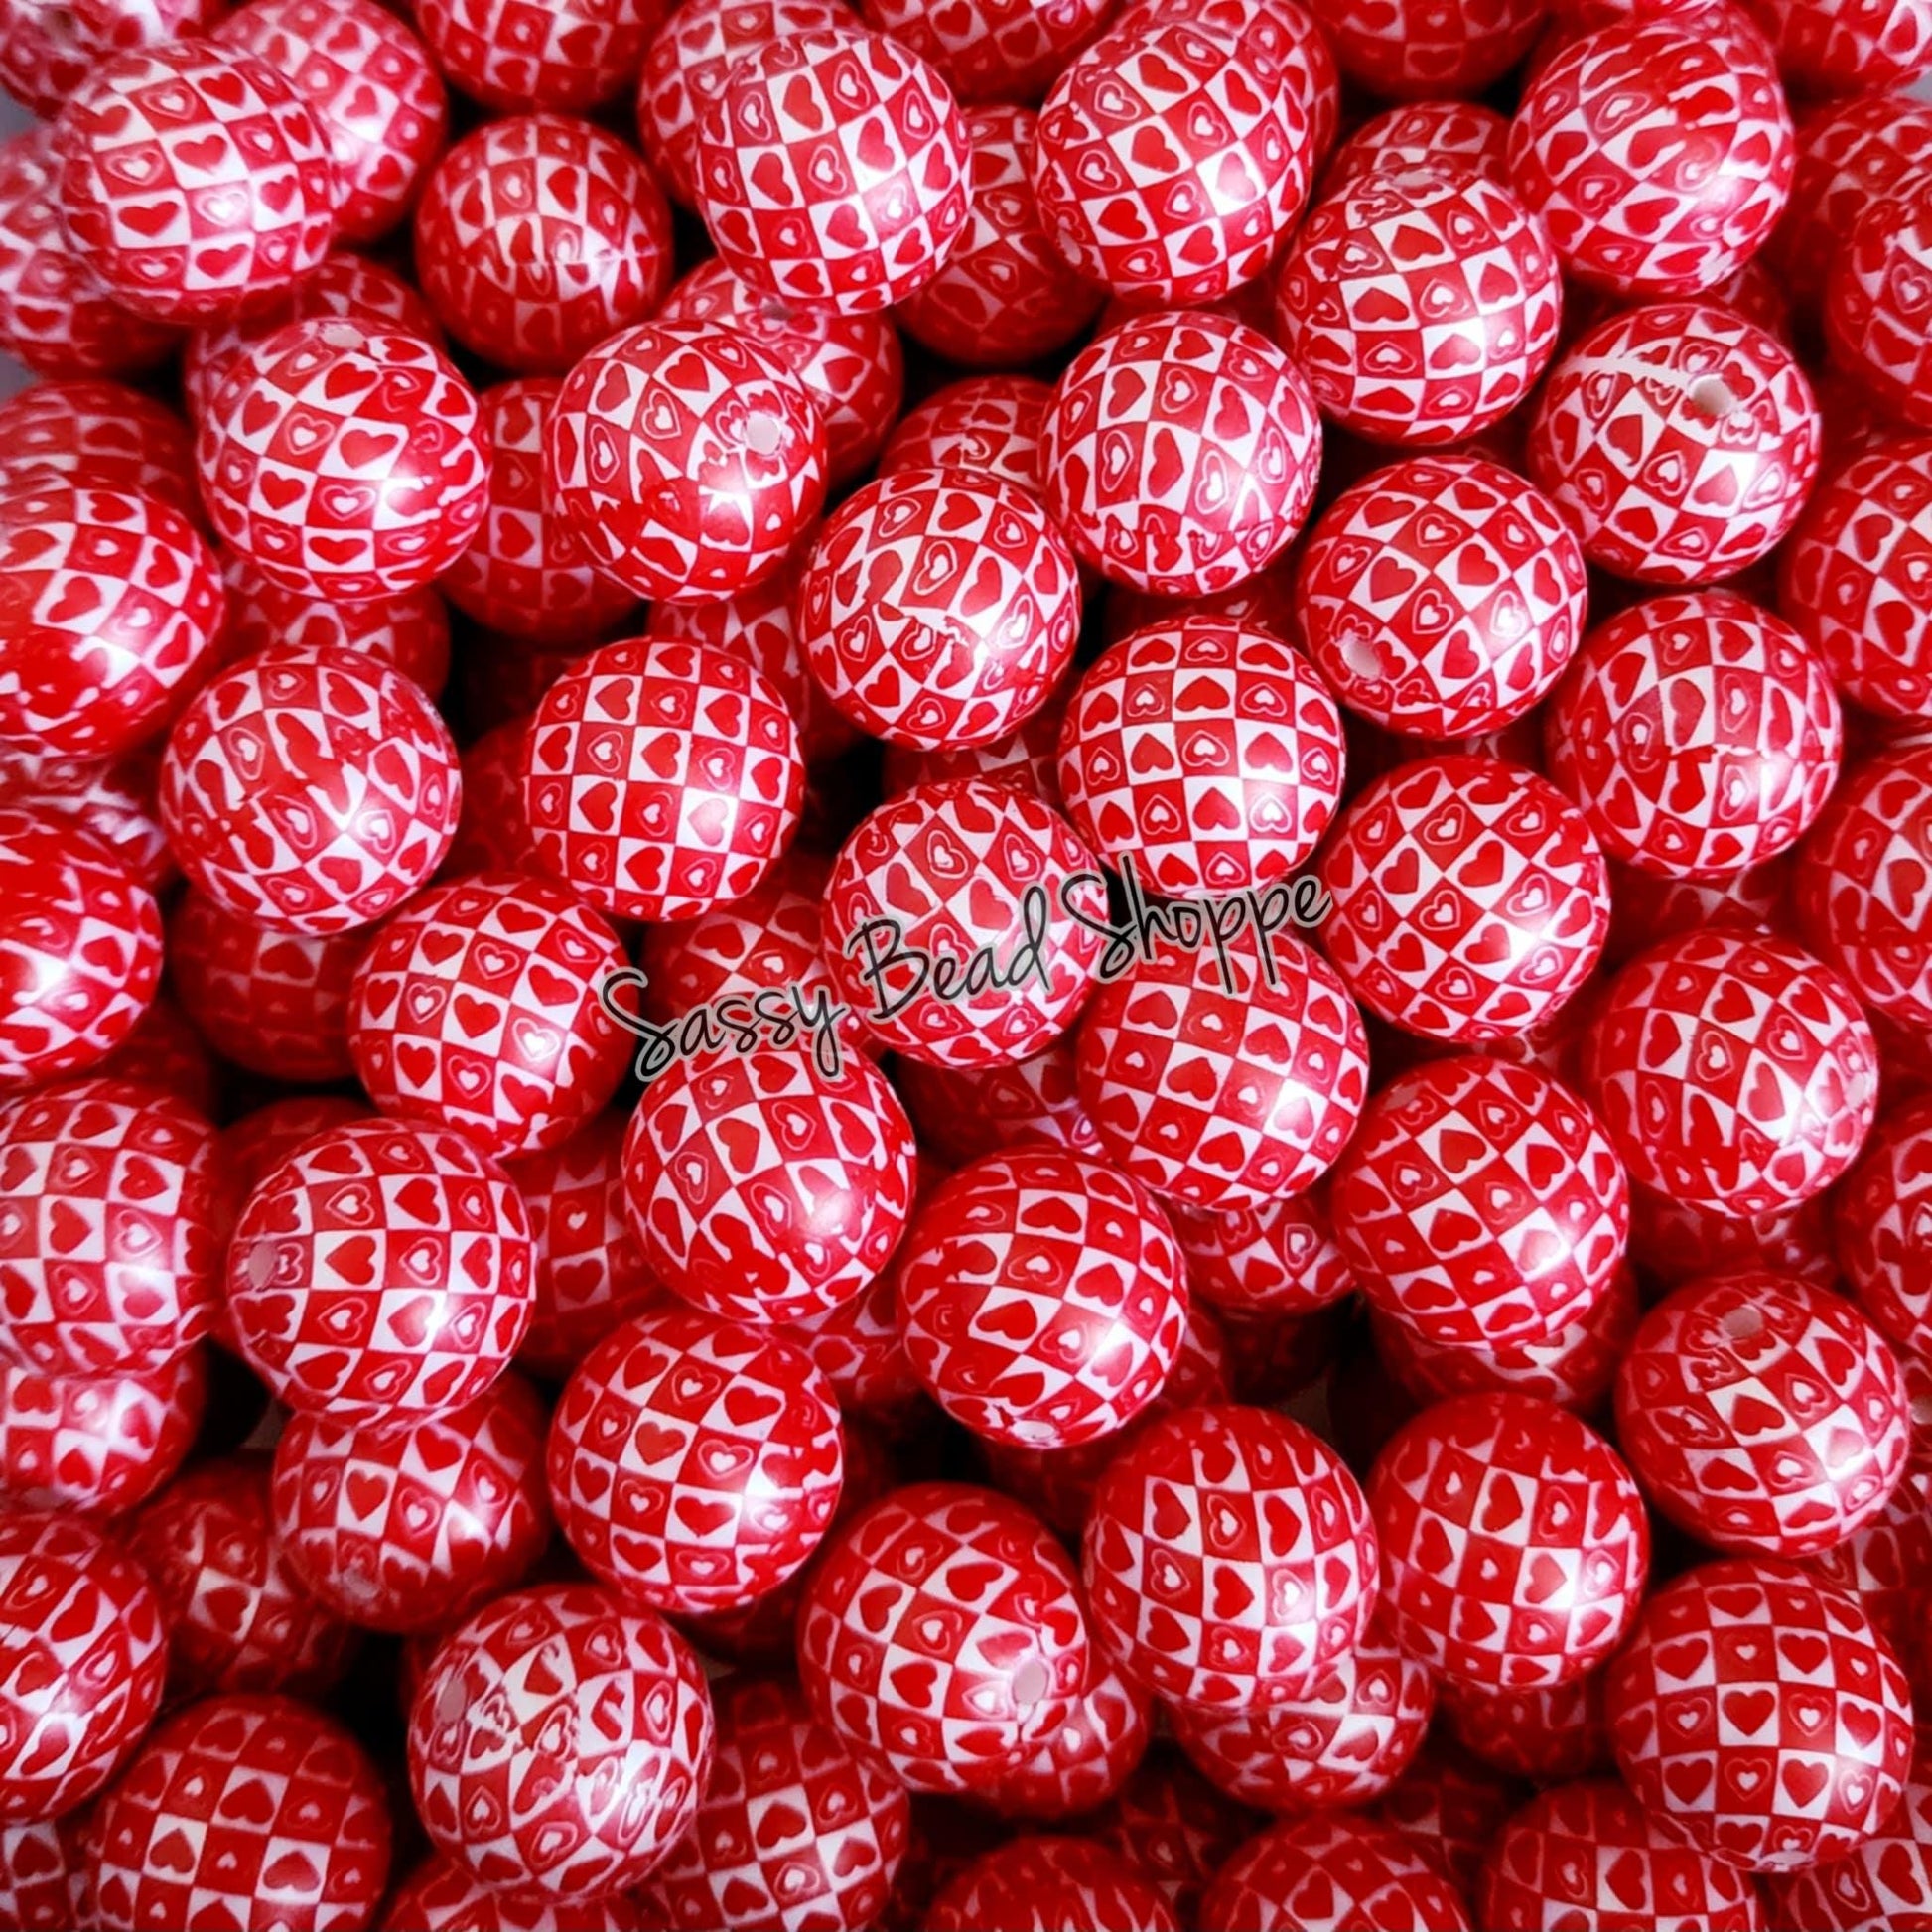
(1051, 1884)
(1884, 1223)
(1330, 1872)
(569, 58)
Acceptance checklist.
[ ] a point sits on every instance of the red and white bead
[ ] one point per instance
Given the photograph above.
(380, 1273)
(1410, 50)
(567, 58)
(1884, 1223)
(993, 50)
(1886, 1881)
(1043, 1883)
(103, 435)
(408, 631)
(1085, 1762)
(987, 425)
(1180, 453)
(1330, 1872)
(1876, 307)
(114, 799)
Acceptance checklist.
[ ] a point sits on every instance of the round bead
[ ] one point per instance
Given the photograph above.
(381, 1273)
(1600, 148)
(987, 425)
(1051, 1884)
(1479, 1205)
(938, 610)
(1229, 1559)
(1589, 1851)
(1170, 162)
(313, 794)
(1330, 1872)
(43, 1881)
(241, 1806)
(1470, 898)
(194, 181)
(963, 924)
(1453, 134)
(275, 1002)
(1440, 598)
(1279, 1258)
(538, 237)
(1884, 1882)
(114, 799)
(407, 1525)
(1883, 1222)
(1514, 1542)
(110, 1230)
(695, 1464)
(103, 435)
(408, 631)
(855, 1347)
(261, 1141)
(1763, 1415)
(1551, 1732)
(1086, 1761)
(1826, 50)
(1864, 894)
(1041, 1299)
(1208, 754)
(442, 1896)
(1449, 1807)
(524, 573)
(965, 1112)
(80, 944)
(513, 1783)
(795, 1830)
(766, 1187)
(991, 49)
(1760, 1717)
(239, 1616)
(1676, 1244)
(96, 1444)
(110, 606)
(1875, 308)
(1224, 1093)
(569, 58)
(1421, 303)
(1414, 50)
(1734, 1074)
(374, 89)
(1180, 453)
(1699, 734)
(492, 834)
(688, 458)
(477, 1007)
(85, 1652)
(942, 1635)
(1175, 1826)
(1679, 440)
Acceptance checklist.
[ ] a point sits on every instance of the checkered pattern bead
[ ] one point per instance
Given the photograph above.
(406, 1526)
(1858, 150)
(795, 1832)
(1206, 754)
(938, 609)
(110, 1229)
(374, 89)
(491, 835)
(1343, 1742)
(96, 1444)
(1676, 1244)
(1763, 1415)
(1040, 1883)
(1171, 161)
(764, 1189)
(114, 799)
(44, 1882)
(1853, 577)
(1551, 1733)
(856, 1346)
(260, 1141)
(84, 1651)
(1470, 898)
(112, 605)
(1330, 1872)
(1421, 303)
(688, 458)
(1281, 33)
(1761, 1716)
(963, 1113)
(1026, 757)
(1863, 893)
(1455, 134)
(1602, 147)
(1277, 1259)
(1180, 453)
(512, 1778)
(1229, 1559)
(408, 631)
(690, 59)
(942, 875)
(538, 237)
(1410, 50)
(987, 425)
(833, 166)
(1224, 1097)
(1876, 311)
(1589, 1853)
(439, 1896)
(991, 49)
(381, 1271)
(1449, 1806)
(1480, 1204)
(1886, 1880)
(1176, 1827)
(80, 942)
(1734, 1075)
(195, 181)
(695, 1462)
(1883, 1225)
(1514, 1542)
(1679, 440)
(276, 1003)
(1823, 50)
(240, 1617)
(1085, 1760)
(476, 1008)
(590, 1273)
(240, 1804)
(850, 363)
(1441, 598)
(1005, 294)
(343, 459)
(517, 57)
(55, 315)
(101, 434)
(1041, 1299)
(312, 794)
